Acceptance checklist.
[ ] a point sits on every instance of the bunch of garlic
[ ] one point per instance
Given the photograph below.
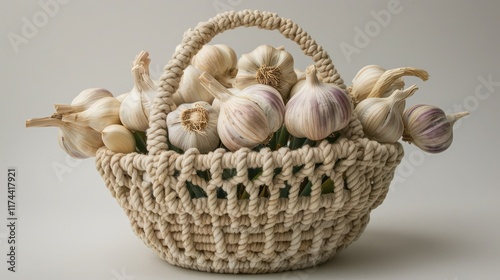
(87, 124)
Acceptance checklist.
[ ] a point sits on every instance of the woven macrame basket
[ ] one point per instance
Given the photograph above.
(258, 234)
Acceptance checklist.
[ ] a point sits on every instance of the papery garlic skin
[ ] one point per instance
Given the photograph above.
(190, 89)
(317, 109)
(194, 125)
(83, 100)
(219, 61)
(102, 113)
(269, 66)
(118, 139)
(242, 122)
(429, 128)
(381, 118)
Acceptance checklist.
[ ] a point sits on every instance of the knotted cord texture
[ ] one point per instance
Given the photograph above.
(254, 234)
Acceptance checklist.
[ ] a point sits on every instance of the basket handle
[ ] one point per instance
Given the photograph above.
(195, 39)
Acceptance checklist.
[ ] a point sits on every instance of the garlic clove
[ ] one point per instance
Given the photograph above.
(381, 118)
(269, 66)
(102, 113)
(194, 125)
(429, 128)
(118, 139)
(317, 109)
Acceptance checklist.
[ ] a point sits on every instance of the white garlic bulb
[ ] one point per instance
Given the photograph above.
(136, 107)
(190, 89)
(118, 139)
(317, 109)
(219, 61)
(429, 127)
(102, 113)
(382, 118)
(83, 100)
(242, 118)
(193, 125)
(269, 66)
(77, 141)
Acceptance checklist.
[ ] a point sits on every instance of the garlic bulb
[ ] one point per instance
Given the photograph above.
(136, 107)
(118, 139)
(76, 140)
(381, 118)
(102, 113)
(190, 89)
(83, 100)
(429, 128)
(193, 125)
(269, 66)
(375, 81)
(219, 61)
(317, 109)
(242, 118)
(267, 97)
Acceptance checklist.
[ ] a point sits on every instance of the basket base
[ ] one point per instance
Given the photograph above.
(255, 263)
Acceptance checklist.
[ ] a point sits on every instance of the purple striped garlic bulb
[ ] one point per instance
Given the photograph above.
(429, 128)
(317, 109)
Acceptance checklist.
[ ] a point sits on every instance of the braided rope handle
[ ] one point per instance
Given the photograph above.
(204, 32)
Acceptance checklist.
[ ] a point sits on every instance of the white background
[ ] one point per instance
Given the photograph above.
(440, 220)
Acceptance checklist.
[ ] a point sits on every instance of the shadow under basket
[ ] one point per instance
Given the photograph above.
(256, 234)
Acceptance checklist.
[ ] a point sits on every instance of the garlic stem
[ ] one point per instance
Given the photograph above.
(452, 118)
(399, 97)
(68, 109)
(214, 87)
(45, 122)
(389, 76)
